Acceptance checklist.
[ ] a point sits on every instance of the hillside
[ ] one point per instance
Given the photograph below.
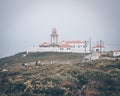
(44, 57)
(95, 78)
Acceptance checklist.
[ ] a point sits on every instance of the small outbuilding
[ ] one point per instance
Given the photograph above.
(98, 48)
(116, 53)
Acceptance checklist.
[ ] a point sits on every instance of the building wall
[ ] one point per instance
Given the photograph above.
(74, 47)
(43, 49)
(116, 53)
(57, 49)
(98, 49)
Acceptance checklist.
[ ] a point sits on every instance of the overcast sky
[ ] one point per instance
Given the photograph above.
(24, 23)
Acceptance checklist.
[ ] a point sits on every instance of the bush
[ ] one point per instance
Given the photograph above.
(54, 92)
(15, 88)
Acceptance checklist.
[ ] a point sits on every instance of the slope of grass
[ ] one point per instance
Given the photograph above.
(43, 56)
(96, 78)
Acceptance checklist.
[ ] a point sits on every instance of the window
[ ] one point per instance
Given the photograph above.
(68, 48)
(97, 50)
(61, 48)
(73, 46)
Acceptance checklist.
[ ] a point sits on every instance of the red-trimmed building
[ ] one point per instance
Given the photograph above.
(116, 53)
(63, 46)
(98, 48)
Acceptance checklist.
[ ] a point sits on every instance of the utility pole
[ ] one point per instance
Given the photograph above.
(90, 44)
(85, 49)
(103, 43)
(100, 46)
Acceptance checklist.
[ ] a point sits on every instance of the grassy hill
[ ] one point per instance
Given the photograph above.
(95, 78)
(42, 56)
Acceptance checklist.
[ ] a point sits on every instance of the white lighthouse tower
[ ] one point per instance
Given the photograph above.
(54, 38)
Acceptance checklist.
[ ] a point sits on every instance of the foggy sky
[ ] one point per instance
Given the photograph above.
(26, 23)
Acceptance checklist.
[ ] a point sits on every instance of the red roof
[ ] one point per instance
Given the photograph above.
(74, 42)
(64, 46)
(45, 44)
(98, 46)
(116, 51)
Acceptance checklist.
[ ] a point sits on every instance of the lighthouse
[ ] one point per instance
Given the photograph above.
(54, 38)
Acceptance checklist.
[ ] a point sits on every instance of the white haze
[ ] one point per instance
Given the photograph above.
(24, 23)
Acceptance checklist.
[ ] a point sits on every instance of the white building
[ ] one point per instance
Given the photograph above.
(63, 46)
(74, 46)
(116, 53)
(98, 48)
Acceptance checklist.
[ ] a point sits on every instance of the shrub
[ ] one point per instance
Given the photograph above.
(15, 88)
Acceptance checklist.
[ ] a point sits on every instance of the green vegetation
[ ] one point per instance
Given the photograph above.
(95, 78)
(42, 56)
